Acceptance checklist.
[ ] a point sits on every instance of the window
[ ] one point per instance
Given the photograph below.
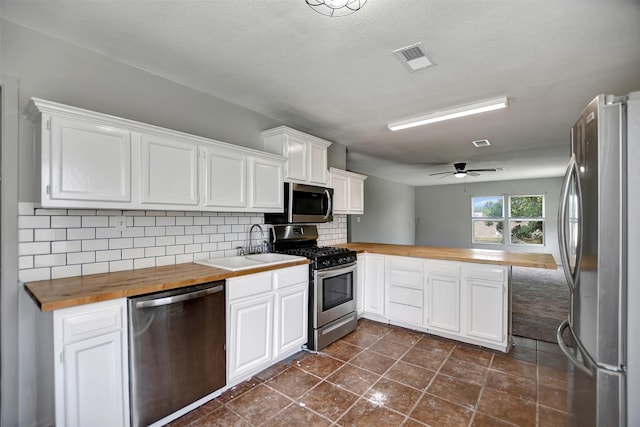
(524, 220)
(488, 219)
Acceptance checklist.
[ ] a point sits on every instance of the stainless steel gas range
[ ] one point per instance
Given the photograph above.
(332, 282)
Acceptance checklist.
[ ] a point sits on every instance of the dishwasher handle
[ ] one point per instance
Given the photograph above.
(179, 298)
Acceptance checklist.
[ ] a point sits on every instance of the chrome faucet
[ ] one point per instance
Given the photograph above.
(256, 249)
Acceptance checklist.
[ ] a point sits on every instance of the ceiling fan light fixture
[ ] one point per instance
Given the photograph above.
(460, 174)
(336, 7)
(451, 113)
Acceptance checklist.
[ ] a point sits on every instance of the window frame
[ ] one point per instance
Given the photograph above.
(507, 220)
(475, 219)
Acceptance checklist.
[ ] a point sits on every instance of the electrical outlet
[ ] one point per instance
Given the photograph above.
(121, 223)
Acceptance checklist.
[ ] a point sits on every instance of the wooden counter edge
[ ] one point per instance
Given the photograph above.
(37, 290)
(525, 259)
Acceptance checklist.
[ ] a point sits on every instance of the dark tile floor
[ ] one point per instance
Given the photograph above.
(382, 375)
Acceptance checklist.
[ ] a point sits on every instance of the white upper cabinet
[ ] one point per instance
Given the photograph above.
(265, 185)
(84, 161)
(168, 171)
(225, 178)
(93, 160)
(348, 191)
(306, 155)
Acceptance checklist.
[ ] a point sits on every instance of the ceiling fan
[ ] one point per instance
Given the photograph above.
(461, 172)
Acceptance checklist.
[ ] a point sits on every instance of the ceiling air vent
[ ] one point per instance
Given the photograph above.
(413, 57)
(481, 143)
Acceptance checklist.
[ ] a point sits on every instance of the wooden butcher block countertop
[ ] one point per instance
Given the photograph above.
(482, 256)
(72, 291)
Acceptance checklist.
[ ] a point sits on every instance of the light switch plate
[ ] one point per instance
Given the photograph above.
(121, 223)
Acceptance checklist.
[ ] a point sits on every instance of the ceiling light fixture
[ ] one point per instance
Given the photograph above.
(336, 7)
(460, 174)
(451, 113)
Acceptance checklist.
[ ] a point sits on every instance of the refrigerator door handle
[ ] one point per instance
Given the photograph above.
(574, 360)
(570, 176)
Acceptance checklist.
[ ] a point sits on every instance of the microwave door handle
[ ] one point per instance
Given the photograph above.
(329, 203)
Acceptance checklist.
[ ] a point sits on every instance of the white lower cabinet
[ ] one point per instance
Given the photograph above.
(464, 301)
(360, 279)
(267, 319)
(374, 285)
(91, 369)
(405, 284)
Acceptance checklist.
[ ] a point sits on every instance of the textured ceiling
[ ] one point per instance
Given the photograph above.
(337, 78)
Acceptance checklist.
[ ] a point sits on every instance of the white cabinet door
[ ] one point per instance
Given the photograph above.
(94, 392)
(168, 171)
(225, 179)
(297, 153)
(443, 302)
(86, 162)
(266, 184)
(485, 309)
(374, 285)
(318, 173)
(250, 335)
(291, 319)
(356, 196)
(339, 184)
(360, 280)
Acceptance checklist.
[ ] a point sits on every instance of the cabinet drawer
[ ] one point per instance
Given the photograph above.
(406, 279)
(408, 296)
(408, 264)
(485, 272)
(81, 326)
(253, 284)
(405, 313)
(446, 268)
(290, 276)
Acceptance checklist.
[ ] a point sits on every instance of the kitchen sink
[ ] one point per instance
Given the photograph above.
(236, 263)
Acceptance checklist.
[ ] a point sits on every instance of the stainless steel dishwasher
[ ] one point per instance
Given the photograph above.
(176, 349)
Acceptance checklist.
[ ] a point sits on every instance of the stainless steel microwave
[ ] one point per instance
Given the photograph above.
(304, 204)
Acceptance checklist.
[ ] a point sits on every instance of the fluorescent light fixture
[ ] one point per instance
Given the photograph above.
(451, 113)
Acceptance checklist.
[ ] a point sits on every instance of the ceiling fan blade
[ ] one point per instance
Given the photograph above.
(444, 176)
(472, 173)
(481, 170)
(441, 173)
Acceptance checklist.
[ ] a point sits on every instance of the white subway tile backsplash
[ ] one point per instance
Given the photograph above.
(95, 245)
(121, 265)
(84, 241)
(34, 274)
(133, 253)
(107, 233)
(120, 243)
(49, 260)
(165, 260)
(154, 251)
(25, 235)
(25, 262)
(66, 221)
(66, 246)
(95, 268)
(81, 257)
(34, 221)
(49, 234)
(144, 263)
(66, 271)
(34, 248)
(81, 233)
(165, 221)
(110, 255)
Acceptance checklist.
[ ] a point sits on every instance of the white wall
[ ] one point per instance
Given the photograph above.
(389, 214)
(444, 212)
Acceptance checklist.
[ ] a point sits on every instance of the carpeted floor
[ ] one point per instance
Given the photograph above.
(540, 302)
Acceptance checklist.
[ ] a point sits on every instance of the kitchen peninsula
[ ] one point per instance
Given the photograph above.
(458, 293)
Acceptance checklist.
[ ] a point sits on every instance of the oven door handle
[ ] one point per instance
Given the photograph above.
(336, 271)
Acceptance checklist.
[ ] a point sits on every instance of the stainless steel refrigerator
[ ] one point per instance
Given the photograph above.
(599, 247)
